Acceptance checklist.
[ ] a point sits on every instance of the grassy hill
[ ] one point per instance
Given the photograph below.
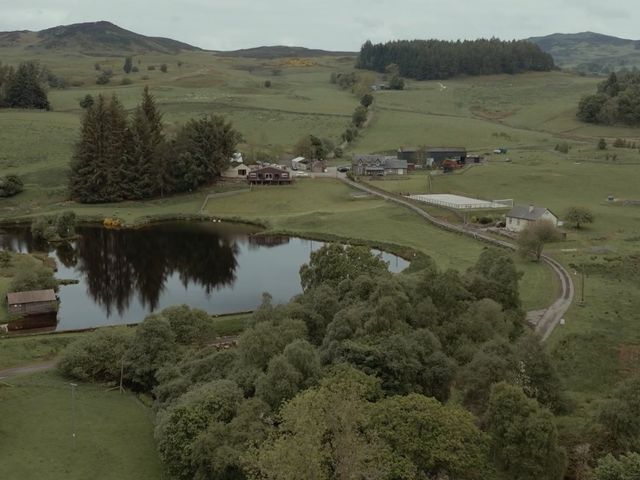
(91, 38)
(282, 51)
(591, 52)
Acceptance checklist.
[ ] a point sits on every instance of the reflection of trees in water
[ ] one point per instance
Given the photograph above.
(120, 263)
(20, 239)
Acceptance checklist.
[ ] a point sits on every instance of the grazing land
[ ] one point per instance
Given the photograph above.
(528, 114)
(114, 432)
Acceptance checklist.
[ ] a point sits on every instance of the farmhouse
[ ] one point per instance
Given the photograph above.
(269, 175)
(33, 302)
(522, 215)
(378, 165)
(237, 169)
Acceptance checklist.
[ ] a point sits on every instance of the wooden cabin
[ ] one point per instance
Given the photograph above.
(269, 176)
(34, 302)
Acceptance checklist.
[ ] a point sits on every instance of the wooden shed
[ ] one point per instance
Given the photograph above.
(33, 302)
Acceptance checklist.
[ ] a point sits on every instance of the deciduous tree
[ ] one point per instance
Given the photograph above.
(535, 236)
(524, 439)
(579, 216)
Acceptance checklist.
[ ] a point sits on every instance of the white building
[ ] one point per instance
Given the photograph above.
(522, 215)
(299, 163)
(237, 168)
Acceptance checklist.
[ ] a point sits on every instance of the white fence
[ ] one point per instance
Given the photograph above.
(458, 202)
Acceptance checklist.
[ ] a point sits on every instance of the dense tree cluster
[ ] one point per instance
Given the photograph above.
(616, 101)
(25, 86)
(120, 158)
(349, 379)
(438, 59)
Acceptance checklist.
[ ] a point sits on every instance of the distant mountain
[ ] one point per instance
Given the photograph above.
(590, 52)
(92, 38)
(281, 51)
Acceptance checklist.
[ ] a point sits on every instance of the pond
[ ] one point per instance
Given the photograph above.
(123, 275)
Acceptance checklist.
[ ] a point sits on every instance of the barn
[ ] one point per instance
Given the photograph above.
(437, 155)
(33, 302)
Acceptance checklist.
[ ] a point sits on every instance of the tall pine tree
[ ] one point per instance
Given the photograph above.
(98, 166)
(148, 149)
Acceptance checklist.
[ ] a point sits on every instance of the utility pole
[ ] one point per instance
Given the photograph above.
(121, 374)
(73, 413)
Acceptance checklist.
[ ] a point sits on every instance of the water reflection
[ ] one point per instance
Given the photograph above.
(121, 263)
(125, 274)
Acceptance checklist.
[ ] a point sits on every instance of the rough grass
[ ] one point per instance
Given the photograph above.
(18, 351)
(114, 432)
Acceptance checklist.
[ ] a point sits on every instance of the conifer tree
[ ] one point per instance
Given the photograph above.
(24, 88)
(147, 152)
(98, 167)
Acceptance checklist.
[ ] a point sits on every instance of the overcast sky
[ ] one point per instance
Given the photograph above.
(329, 24)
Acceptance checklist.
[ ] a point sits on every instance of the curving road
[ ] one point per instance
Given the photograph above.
(552, 315)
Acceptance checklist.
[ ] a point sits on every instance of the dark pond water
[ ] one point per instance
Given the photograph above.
(126, 274)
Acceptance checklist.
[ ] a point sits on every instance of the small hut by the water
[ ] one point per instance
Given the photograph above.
(33, 302)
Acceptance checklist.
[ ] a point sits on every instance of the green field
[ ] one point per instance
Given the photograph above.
(114, 432)
(528, 114)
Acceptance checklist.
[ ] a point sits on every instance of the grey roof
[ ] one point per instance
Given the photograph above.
(395, 163)
(446, 149)
(527, 212)
(379, 161)
(32, 296)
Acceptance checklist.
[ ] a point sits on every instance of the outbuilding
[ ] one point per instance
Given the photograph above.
(33, 302)
(520, 216)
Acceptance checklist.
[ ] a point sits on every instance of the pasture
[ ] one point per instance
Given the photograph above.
(114, 432)
(528, 114)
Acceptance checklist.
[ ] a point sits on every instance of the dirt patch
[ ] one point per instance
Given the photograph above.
(629, 358)
(492, 114)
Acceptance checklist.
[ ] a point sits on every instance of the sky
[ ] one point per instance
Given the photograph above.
(329, 24)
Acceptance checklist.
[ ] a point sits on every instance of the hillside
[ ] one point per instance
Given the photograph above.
(92, 38)
(282, 51)
(590, 52)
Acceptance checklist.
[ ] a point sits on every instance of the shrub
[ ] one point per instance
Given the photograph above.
(267, 83)
(135, 69)
(602, 144)
(562, 147)
(164, 68)
(37, 278)
(104, 78)
(126, 81)
(10, 185)
(151, 67)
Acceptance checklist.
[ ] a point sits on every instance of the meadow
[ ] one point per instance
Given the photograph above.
(114, 432)
(528, 114)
